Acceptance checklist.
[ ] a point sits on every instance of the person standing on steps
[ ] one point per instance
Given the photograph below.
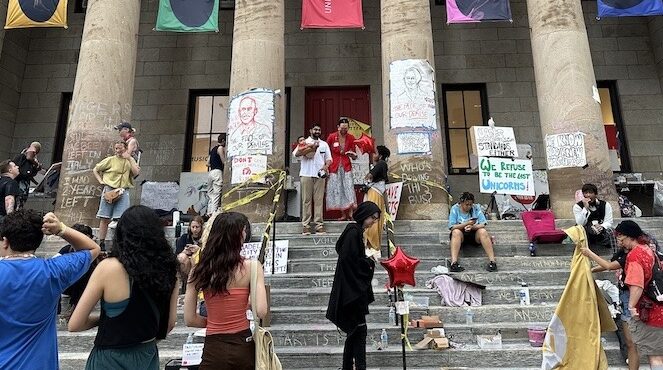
(9, 188)
(595, 216)
(467, 224)
(315, 159)
(216, 163)
(28, 167)
(352, 289)
(341, 187)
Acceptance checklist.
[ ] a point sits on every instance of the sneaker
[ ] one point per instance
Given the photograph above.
(456, 267)
(492, 266)
(112, 224)
(320, 230)
(306, 231)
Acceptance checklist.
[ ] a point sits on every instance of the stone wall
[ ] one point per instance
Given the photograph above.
(12, 66)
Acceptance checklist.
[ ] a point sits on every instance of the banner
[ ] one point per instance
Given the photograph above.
(471, 11)
(243, 167)
(412, 94)
(565, 150)
(251, 123)
(506, 176)
(251, 250)
(393, 192)
(357, 128)
(188, 16)
(36, 13)
(629, 8)
(494, 141)
(332, 14)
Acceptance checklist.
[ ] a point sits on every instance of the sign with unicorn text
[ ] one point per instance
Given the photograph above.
(506, 176)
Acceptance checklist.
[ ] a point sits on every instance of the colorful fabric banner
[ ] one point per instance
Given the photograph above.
(472, 11)
(36, 13)
(332, 14)
(573, 339)
(188, 16)
(629, 8)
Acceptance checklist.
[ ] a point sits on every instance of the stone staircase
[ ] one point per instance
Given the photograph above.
(306, 340)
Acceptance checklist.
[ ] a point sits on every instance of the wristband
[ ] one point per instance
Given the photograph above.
(63, 227)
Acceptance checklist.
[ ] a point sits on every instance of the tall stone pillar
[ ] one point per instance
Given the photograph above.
(258, 61)
(564, 79)
(3, 17)
(103, 93)
(407, 34)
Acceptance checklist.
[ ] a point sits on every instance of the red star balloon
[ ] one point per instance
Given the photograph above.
(400, 268)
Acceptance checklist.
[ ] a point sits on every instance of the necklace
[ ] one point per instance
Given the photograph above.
(22, 255)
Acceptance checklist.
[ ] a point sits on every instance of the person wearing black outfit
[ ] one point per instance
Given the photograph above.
(9, 189)
(28, 166)
(352, 291)
(595, 216)
(216, 163)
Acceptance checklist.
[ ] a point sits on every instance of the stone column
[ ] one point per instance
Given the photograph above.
(564, 79)
(3, 18)
(407, 34)
(103, 93)
(258, 61)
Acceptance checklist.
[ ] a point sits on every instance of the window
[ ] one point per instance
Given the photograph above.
(208, 117)
(614, 127)
(61, 129)
(464, 106)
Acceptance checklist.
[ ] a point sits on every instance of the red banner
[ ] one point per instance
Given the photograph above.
(332, 14)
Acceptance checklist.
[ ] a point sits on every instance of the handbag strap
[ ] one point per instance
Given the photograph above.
(252, 290)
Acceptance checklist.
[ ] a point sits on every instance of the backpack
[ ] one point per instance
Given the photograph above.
(654, 290)
(626, 207)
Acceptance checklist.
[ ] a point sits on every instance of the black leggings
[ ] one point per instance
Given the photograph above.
(355, 348)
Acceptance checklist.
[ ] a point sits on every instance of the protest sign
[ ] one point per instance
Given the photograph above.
(412, 97)
(243, 167)
(252, 250)
(505, 176)
(159, 195)
(413, 142)
(393, 191)
(493, 141)
(565, 150)
(192, 354)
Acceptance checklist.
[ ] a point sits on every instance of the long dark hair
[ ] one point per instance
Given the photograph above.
(221, 255)
(140, 245)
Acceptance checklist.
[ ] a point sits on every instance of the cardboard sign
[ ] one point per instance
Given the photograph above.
(192, 197)
(160, 195)
(192, 354)
(493, 141)
(243, 167)
(565, 150)
(506, 176)
(252, 250)
(393, 191)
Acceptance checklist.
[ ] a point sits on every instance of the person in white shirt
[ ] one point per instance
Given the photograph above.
(315, 159)
(594, 215)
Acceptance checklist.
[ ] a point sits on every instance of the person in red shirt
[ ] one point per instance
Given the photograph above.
(646, 323)
(340, 187)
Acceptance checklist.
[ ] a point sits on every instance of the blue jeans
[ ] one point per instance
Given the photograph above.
(113, 211)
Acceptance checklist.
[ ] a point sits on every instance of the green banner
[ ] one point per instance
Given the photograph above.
(188, 16)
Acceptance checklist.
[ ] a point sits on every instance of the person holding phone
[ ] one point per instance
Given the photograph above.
(187, 245)
(467, 224)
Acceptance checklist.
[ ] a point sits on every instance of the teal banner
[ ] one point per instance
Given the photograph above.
(188, 16)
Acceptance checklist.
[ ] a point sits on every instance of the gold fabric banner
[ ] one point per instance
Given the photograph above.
(36, 13)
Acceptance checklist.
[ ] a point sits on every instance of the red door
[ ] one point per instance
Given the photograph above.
(324, 105)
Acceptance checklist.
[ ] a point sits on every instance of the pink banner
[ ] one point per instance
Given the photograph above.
(332, 14)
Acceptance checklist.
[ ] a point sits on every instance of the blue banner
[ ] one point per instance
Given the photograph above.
(629, 8)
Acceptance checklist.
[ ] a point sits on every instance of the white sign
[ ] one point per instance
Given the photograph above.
(505, 176)
(252, 250)
(360, 167)
(192, 354)
(243, 167)
(495, 141)
(412, 98)
(251, 123)
(413, 142)
(565, 150)
(159, 195)
(192, 198)
(393, 191)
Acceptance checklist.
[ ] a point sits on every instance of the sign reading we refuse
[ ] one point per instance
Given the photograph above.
(506, 176)
(491, 141)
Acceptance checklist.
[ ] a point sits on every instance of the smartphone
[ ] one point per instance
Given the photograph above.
(474, 219)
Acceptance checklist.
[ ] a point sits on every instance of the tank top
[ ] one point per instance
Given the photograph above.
(215, 162)
(226, 313)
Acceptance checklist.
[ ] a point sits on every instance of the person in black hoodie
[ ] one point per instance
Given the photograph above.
(352, 291)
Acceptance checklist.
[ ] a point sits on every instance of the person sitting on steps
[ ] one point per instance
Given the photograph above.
(595, 216)
(468, 224)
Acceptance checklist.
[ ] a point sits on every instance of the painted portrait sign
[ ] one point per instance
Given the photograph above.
(251, 123)
(412, 97)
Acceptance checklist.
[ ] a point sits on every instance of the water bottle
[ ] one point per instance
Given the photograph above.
(189, 339)
(524, 294)
(392, 316)
(532, 249)
(469, 316)
(384, 338)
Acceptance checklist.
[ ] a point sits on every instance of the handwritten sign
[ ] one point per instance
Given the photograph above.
(565, 150)
(393, 191)
(252, 250)
(251, 123)
(413, 142)
(245, 166)
(160, 195)
(506, 176)
(412, 97)
(192, 354)
(494, 141)
(360, 167)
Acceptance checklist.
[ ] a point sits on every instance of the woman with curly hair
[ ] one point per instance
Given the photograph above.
(136, 286)
(224, 277)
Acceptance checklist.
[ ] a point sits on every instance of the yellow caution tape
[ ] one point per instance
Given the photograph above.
(405, 322)
(250, 180)
(423, 182)
(265, 235)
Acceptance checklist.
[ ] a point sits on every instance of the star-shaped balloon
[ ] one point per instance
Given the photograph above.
(400, 268)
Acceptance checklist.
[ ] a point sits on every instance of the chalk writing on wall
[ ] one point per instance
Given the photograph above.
(565, 150)
(416, 169)
(494, 141)
(506, 176)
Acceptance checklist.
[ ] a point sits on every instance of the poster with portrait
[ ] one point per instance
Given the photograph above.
(251, 123)
(412, 97)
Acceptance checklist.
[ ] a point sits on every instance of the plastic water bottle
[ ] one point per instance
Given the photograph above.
(532, 249)
(392, 316)
(189, 339)
(469, 316)
(524, 294)
(384, 338)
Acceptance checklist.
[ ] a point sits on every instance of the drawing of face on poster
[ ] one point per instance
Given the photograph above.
(251, 123)
(412, 95)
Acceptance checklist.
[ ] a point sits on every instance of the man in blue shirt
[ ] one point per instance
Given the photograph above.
(31, 287)
(467, 223)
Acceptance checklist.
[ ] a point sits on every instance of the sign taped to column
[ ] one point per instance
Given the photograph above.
(251, 250)
(494, 141)
(245, 166)
(413, 142)
(251, 123)
(506, 176)
(565, 150)
(393, 191)
(412, 96)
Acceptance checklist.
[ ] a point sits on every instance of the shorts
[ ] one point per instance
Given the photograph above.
(469, 238)
(113, 211)
(648, 339)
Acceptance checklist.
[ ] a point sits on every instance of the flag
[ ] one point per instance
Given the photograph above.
(332, 14)
(629, 8)
(36, 13)
(573, 339)
(188, 16)
(471, 11)
(358, 128)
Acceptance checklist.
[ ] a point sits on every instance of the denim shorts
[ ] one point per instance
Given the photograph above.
(624, 295)
(113, 211)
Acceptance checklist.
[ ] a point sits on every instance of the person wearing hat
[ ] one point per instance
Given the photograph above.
(28, 167)
(352, 291)
(646, 323)
(127, 133)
